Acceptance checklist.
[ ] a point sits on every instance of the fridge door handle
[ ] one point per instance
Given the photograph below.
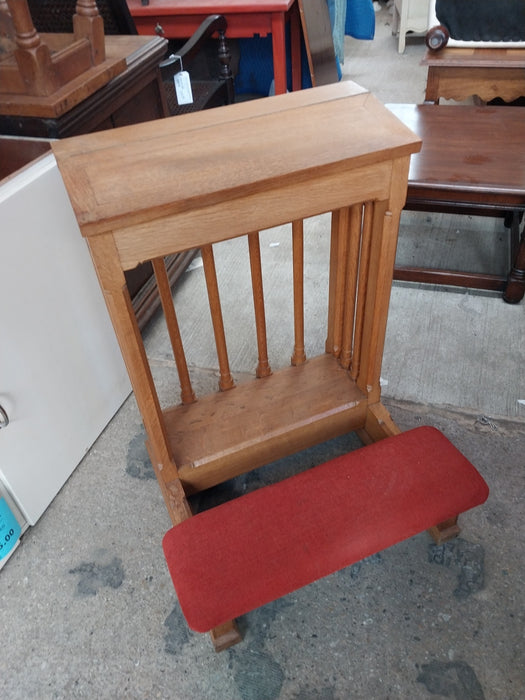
(4, 418)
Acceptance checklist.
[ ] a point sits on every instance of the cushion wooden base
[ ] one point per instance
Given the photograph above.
(245, 553)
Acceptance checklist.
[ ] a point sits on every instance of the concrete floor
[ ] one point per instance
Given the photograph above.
(88, 608)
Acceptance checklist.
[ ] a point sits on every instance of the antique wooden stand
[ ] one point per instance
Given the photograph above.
(46, 75)
(198, 181)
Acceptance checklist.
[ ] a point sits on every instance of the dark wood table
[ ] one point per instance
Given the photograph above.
(179, 19)
(472, 162)
(456, 74)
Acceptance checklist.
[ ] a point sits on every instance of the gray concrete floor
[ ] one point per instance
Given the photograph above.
(87, 606)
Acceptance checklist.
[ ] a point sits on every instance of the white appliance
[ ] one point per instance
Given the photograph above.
(62, 377)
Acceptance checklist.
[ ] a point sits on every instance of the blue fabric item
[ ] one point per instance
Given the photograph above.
(337, 11)
(360, 19)
(255, 66)
(255, 74)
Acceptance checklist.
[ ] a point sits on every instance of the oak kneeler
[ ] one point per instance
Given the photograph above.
(242, 554)
(148, 191)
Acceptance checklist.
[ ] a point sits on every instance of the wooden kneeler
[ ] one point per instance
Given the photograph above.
(197, 181)
(242, 554)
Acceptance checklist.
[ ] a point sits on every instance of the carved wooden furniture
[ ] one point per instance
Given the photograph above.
(472, 162)
(178, 20)
(457, 74)
(134, 95)
(57, 16)
(212, 89)
(356, 167)
(46, 75)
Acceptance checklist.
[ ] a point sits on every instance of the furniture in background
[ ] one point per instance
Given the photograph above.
(444, 178)
(212, 90)
(134, 95)
(178, 20)
(45, 75)
(472, 162)
(139, 93)
(457, 74)
(484, 23)
(409, 16)
(57, 16)
(319, 45)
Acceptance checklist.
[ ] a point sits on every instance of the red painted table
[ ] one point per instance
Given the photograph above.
(178, 19)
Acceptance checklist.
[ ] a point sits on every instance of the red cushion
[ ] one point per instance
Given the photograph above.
(238, 556)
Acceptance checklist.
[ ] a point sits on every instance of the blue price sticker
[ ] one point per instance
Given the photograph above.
(9, 529)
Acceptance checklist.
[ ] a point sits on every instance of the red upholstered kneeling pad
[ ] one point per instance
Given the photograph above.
(238, 556)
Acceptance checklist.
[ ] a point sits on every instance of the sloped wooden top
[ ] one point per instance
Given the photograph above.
(149, 171)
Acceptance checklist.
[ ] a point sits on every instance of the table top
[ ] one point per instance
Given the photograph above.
(467, 148)
(207, 7)
(172, 167)
(475, 57)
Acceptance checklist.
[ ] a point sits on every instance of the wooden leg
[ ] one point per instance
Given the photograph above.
(445, 531)
(225, 636)
(378, 425)
(515, 289)
(295, 43)
(279, 52)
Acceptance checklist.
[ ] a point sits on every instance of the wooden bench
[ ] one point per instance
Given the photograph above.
(472, 162)
(154, 189)
(238, 556)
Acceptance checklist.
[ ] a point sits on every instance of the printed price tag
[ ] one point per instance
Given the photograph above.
(183, 88)
(9, 529)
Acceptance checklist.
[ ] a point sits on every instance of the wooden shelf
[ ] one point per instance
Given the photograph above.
(228, 433)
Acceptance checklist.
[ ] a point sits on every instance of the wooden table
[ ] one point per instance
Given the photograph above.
(472, 161)
(178, 19)
(457, 74)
